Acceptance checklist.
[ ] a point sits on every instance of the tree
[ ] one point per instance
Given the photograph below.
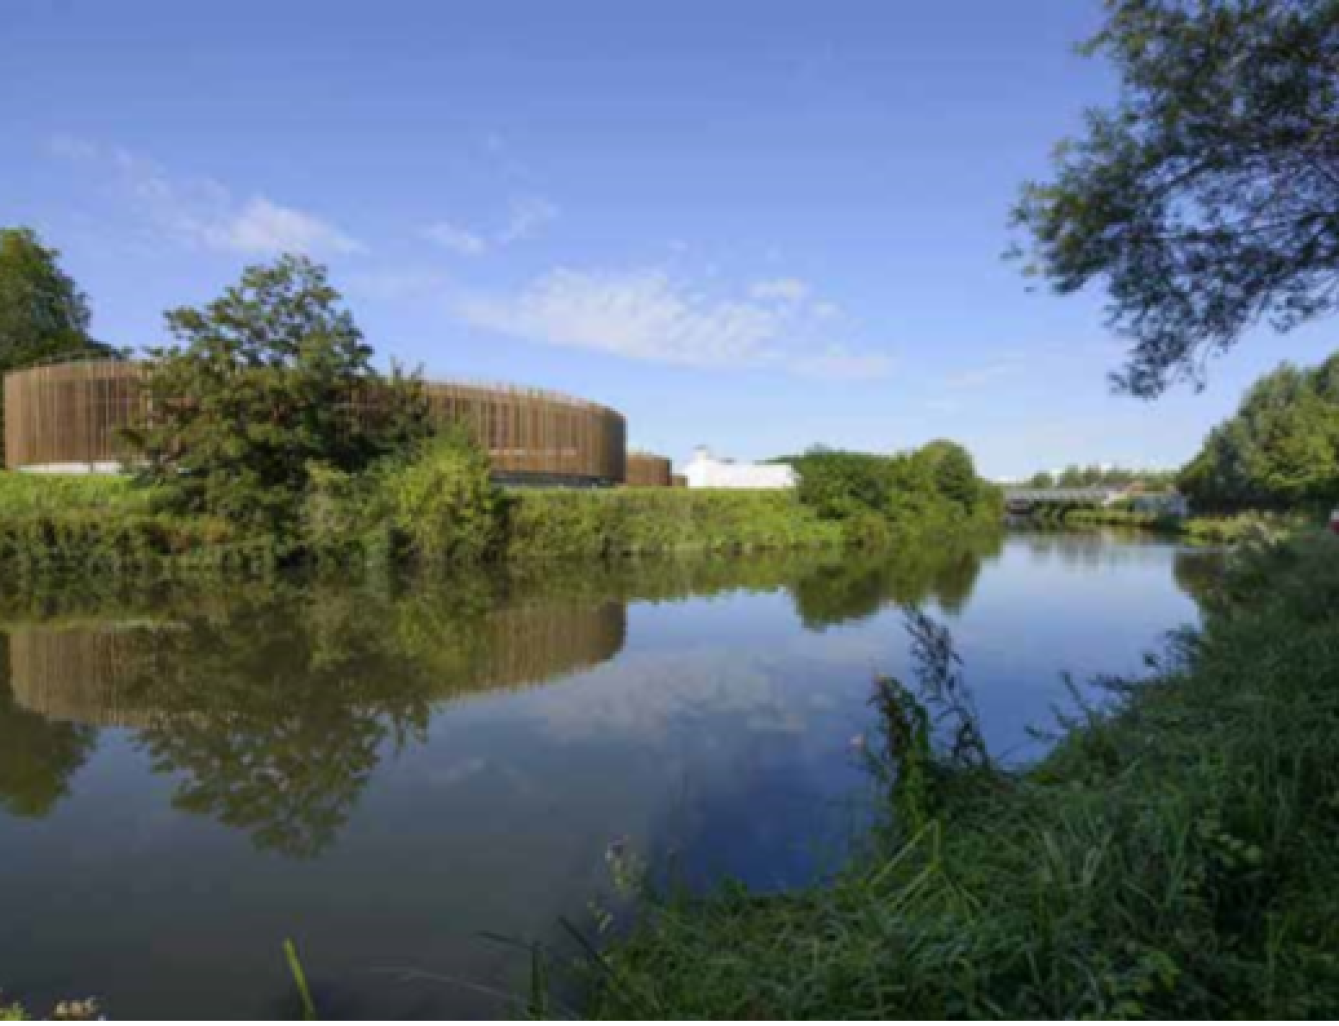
(1280, 450)
(269, 381)
(42, 312)
(954, 472)
(1207, 197)
(841, 485)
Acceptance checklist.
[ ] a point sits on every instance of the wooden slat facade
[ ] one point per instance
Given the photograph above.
(647, 470)
(68, 416)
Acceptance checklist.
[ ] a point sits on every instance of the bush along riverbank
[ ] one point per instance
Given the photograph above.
(436, 505)
(1176, 856)
(1197, 530)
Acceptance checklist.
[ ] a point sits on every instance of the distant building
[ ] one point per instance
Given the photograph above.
(707, 471)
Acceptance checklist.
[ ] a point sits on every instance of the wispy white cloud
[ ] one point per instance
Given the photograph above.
(986, 374)
(528, 214)
(526, 217)
(838, 363)
(455, 238)
(786, 290)
(263, 226)
(205, 213)
(650, 315)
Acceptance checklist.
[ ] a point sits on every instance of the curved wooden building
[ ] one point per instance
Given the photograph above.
(67, 418)
(647, 470)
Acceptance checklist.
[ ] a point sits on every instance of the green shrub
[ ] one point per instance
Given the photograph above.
(443, 502)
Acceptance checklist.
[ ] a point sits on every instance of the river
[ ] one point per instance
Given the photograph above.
(415, 779)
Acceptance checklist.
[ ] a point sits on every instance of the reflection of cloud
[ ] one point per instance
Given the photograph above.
(457, 773)
(646, 696)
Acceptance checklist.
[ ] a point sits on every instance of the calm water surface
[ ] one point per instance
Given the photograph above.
(389, 772)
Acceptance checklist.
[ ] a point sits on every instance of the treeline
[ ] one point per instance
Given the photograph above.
(1096, 476)
(1279, 451)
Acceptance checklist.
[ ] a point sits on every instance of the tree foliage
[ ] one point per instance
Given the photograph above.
(1095, 475)
(268, 381)
(1279, 451)
(953, 471)
(444, 502)
(1207, 197)
(934, 484)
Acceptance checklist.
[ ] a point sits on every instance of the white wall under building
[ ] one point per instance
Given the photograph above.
(707, 471)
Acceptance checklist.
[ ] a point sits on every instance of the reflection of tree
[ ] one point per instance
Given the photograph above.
(274, 719)
(37, 757)
(859, 584)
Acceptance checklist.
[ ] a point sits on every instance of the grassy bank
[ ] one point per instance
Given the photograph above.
(1199, 530)
(53, 524)
(1176, 857)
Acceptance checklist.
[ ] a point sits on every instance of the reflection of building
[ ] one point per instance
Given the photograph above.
(68, 417)
(78, 675)
(707, 471)
(113, 675)
(647, 470)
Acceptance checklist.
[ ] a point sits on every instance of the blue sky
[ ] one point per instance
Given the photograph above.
(756, 225)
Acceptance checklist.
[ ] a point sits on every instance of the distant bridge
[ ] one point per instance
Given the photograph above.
(1022, 500)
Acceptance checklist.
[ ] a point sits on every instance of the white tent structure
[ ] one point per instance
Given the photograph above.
(707, 471)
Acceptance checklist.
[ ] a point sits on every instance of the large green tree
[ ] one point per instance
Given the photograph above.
(42, 312)
(1280, 450)
(266, 383)
(953, 471)
(1205, 199)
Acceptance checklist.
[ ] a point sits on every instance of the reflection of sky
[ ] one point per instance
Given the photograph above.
(718, 740)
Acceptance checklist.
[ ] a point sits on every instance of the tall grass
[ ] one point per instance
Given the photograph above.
(1177, 856)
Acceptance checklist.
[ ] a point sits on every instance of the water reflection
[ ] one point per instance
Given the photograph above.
(37, 756)
(387, 768)
(270, 706)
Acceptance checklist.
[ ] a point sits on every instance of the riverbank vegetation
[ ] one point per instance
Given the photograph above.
(439, 507)
(1174, 857)
(1198, 530)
